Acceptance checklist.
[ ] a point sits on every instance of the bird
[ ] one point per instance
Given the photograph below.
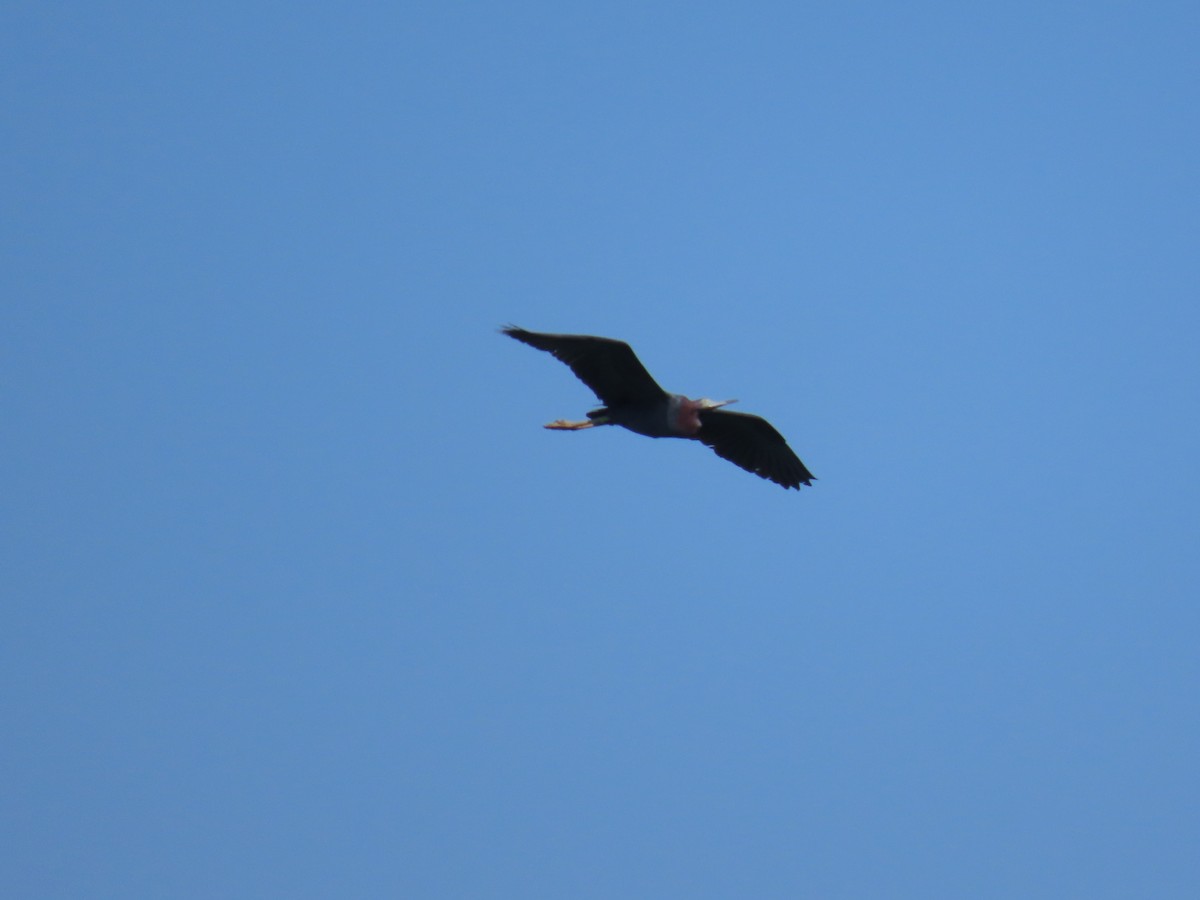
(631, 398)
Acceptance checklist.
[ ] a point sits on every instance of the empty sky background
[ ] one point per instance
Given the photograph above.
(300, 600)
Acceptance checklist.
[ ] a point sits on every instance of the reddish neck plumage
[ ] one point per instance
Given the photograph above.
(687, 416)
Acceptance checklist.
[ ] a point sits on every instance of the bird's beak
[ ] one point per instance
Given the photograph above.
(717, 404)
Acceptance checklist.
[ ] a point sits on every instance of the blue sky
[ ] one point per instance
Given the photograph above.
(302, 601)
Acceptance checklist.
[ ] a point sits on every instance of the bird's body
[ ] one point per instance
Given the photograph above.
(675, 416)
(633, 400)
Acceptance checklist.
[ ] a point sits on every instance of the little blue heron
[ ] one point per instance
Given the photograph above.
(633, 400)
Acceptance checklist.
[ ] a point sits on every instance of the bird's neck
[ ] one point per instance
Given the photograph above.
(684, 415)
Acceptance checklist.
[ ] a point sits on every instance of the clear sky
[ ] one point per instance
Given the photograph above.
(300, 600)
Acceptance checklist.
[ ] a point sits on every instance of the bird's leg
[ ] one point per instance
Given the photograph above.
(564, 425)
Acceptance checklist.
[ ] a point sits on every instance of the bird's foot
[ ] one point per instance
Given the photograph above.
(564, 425)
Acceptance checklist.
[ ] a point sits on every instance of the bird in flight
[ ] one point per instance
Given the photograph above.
(632, 399)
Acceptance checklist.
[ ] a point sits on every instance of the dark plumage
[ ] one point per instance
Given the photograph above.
(633, 400)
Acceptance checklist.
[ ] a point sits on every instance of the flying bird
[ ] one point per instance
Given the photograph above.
(632, 399)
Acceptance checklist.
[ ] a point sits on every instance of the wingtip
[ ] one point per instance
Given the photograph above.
(513, 331)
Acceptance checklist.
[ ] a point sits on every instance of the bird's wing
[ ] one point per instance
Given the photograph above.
(608, 367)
(752, 443)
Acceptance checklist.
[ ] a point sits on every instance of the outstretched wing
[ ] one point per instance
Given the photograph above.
(752, 443)
(608, 367)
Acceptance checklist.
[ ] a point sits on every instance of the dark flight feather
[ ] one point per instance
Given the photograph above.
(752, 443)
(609, 367)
